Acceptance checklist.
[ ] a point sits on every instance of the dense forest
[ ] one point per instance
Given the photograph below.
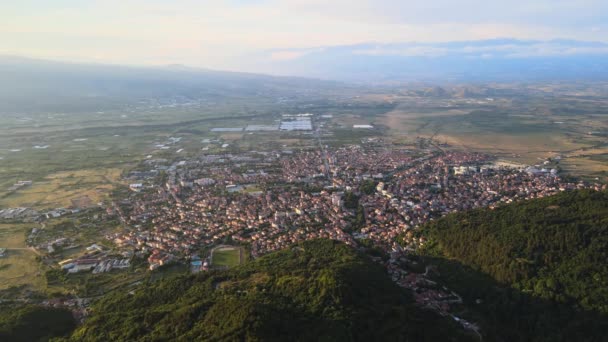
(534, 270)
(318, 290)
(34, 323)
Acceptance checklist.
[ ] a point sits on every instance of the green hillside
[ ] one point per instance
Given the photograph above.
(34, 323)
(537, 269)
(316, 291)
(529, 271)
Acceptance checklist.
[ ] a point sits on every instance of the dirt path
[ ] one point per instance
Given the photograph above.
(24, 249)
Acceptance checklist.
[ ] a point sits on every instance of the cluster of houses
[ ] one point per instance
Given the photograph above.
(437, 186)
(158, 258)
(299, 195)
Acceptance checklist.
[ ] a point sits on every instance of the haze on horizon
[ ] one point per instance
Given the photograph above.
(250, 35)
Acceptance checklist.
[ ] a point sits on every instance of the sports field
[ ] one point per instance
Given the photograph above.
(226, 256)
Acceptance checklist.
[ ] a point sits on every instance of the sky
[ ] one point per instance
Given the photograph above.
(225, 34)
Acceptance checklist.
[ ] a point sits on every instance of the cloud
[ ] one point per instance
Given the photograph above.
(286, 55)
(411, 51)
(225, 34)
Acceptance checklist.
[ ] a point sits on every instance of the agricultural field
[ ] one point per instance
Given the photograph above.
(19, 267)
(80, 188)
(23, 267)
(525, 130)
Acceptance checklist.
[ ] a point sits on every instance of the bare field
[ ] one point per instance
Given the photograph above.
(403, 113)
(529, 144)
(349, 120)
(588, 152)
(231, 136)
(19, 266)
(583, 166)
(521, 137)
(529, 149)
(85, 187)
(406, 119)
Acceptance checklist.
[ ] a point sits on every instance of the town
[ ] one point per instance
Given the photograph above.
(368, 193)
(270, 200)
(374, 193)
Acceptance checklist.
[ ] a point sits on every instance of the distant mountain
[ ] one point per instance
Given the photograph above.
(483, 60)
(318, 290)
(435, 92)
(30, 85)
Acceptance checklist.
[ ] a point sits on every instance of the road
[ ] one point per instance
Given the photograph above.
(324, 154)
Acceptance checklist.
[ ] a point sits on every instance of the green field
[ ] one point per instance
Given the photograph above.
(226, 257)
(19, 267)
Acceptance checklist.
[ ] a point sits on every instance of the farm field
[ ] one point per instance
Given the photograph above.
(522, 133)
(19, 266)
(79, 188)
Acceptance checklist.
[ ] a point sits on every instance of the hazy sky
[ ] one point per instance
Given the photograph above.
(220, 34)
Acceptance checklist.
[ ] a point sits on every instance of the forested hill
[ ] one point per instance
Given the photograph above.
(33, 323)
(539, 267)
(316, 291)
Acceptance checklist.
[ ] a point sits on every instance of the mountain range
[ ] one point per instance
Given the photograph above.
(471, 61)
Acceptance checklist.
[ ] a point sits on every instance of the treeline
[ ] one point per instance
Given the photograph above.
(537, 269)
(316, 291)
